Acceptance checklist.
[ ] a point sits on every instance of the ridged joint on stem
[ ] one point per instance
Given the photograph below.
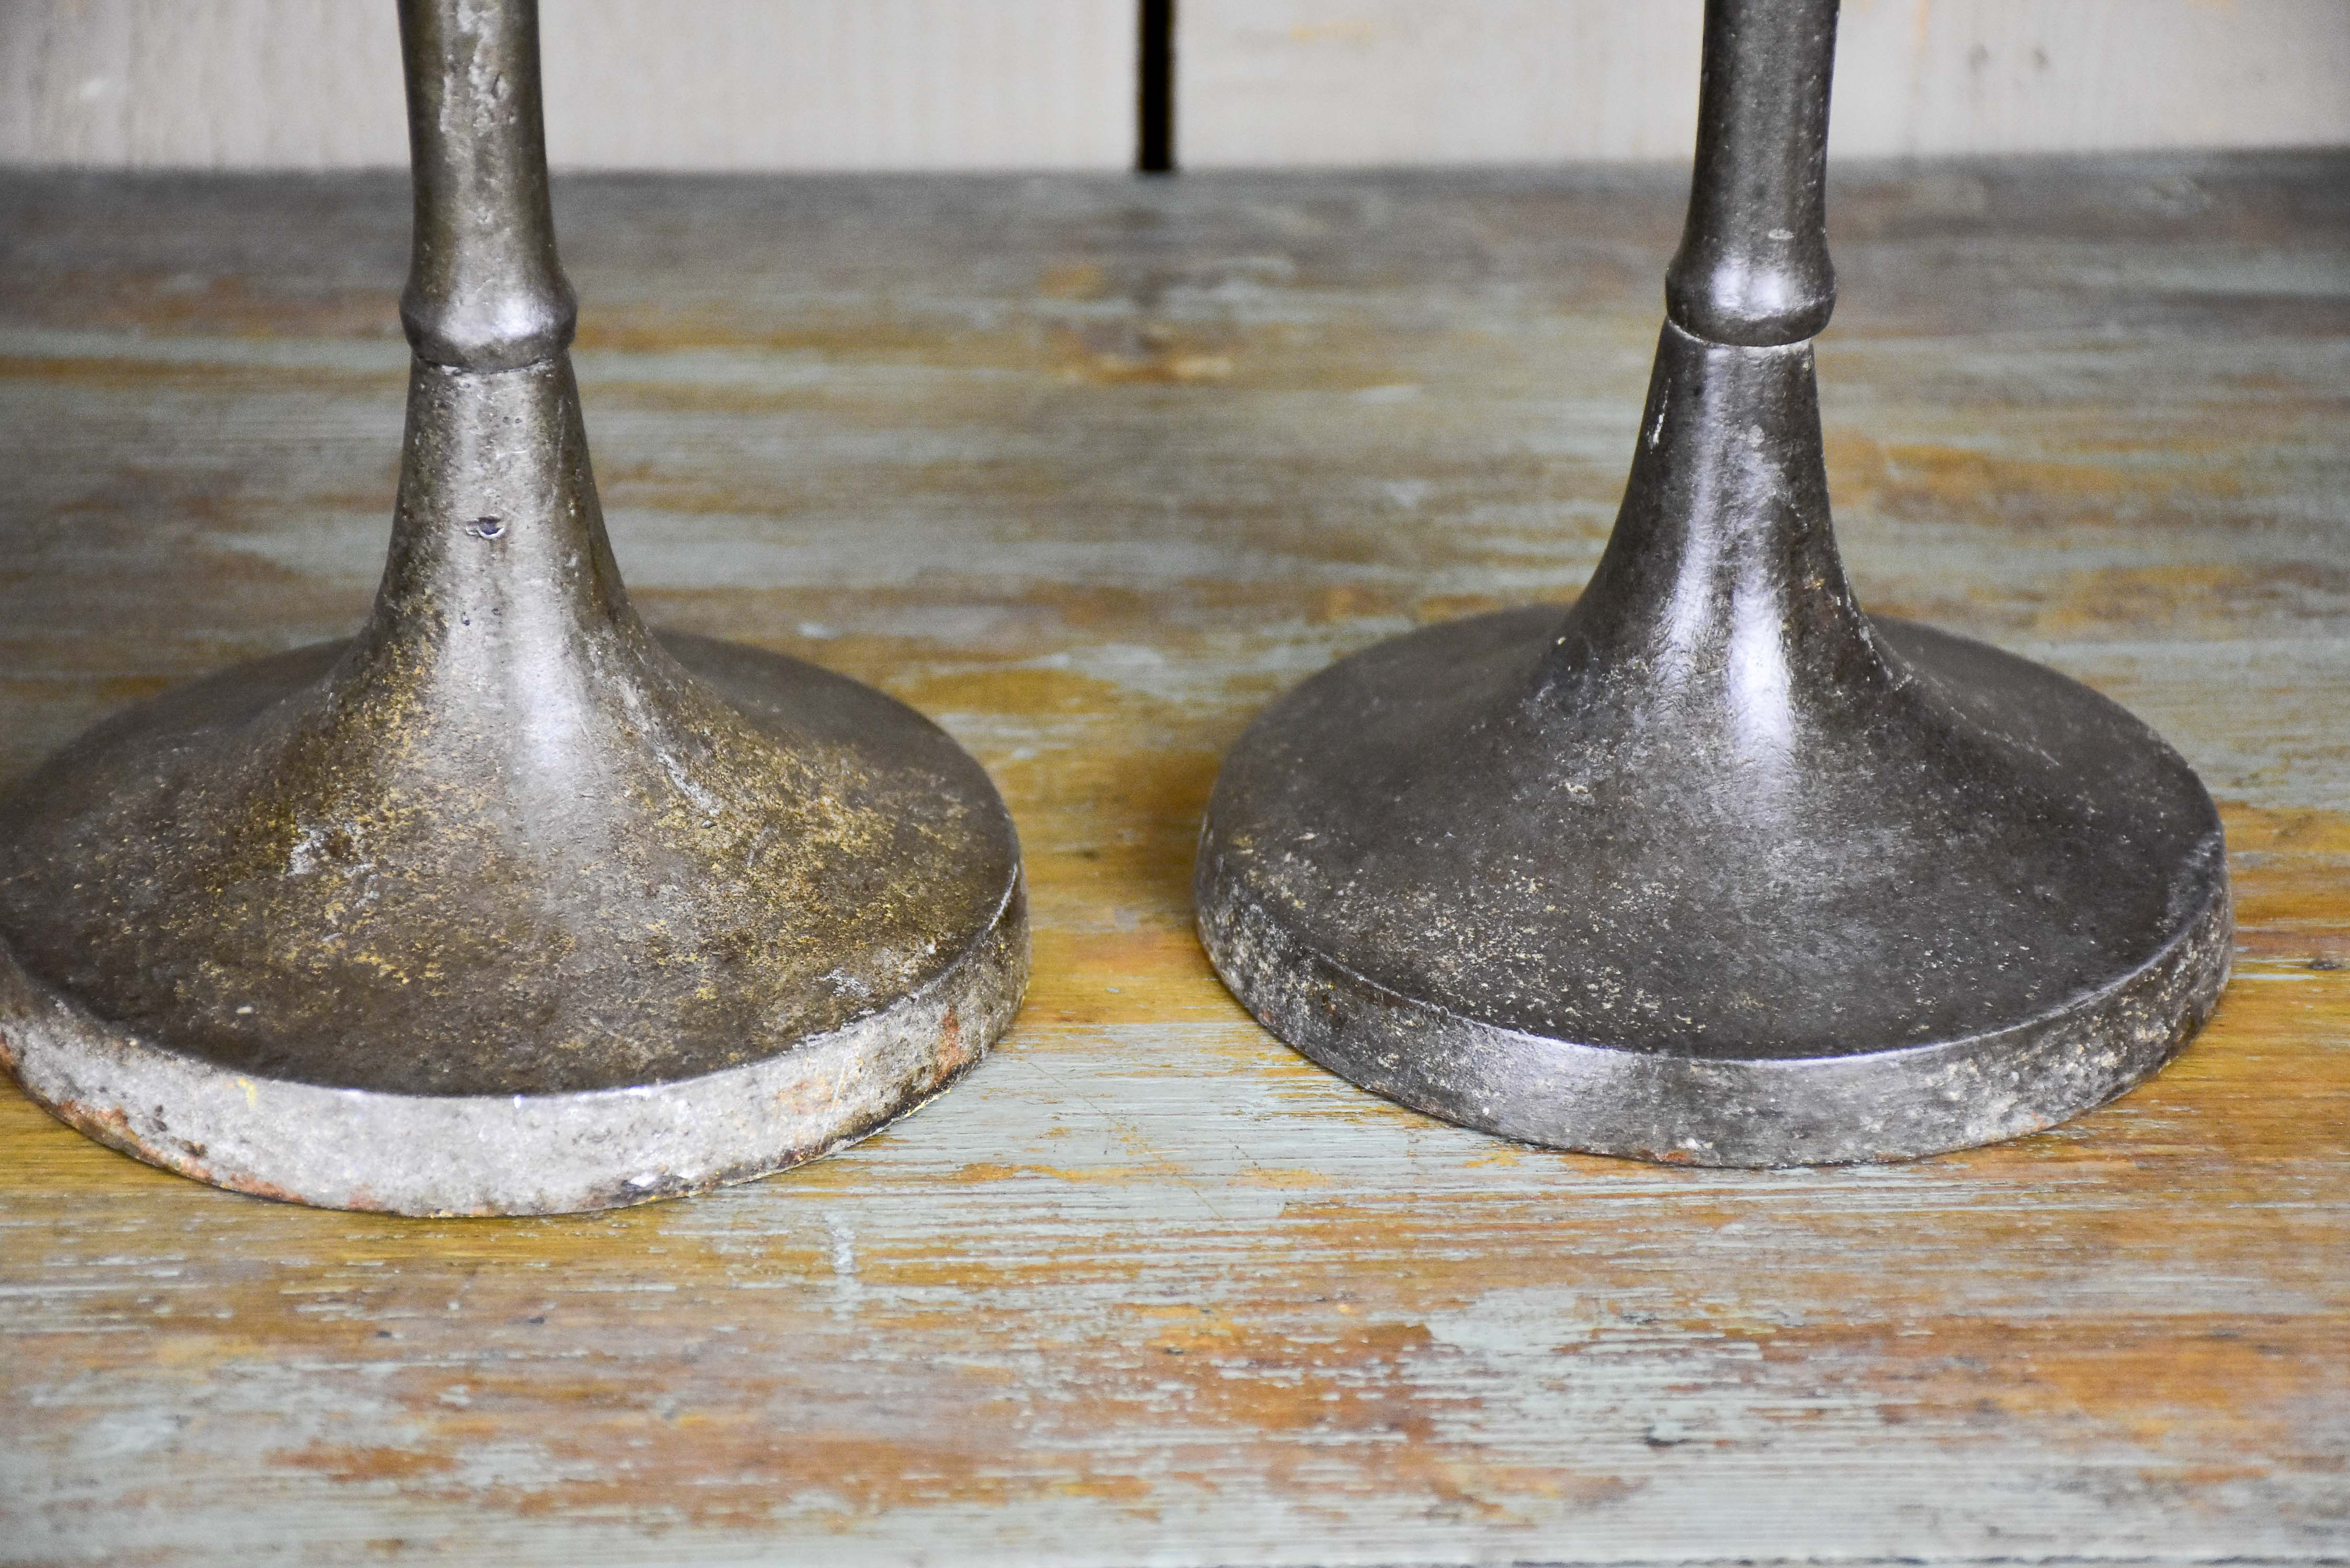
(1752, 270)
(1721, 583)
(485, 290)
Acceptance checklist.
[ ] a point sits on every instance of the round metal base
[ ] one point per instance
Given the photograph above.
(292, 931)
(1949, 900)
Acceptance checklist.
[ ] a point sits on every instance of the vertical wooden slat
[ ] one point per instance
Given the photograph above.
(940, 84)
(1271, 82)
(719, 84)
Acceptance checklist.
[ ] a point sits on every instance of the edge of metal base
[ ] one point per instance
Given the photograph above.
(1887, 1106)
(515, 1154)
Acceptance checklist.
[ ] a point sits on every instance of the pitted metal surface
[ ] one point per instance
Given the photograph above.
(1717, 871)
(1574, 926)
(505, 905)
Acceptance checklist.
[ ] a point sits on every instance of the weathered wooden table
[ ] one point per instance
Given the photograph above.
(1090, 469)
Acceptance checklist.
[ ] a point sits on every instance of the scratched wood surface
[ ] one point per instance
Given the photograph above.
(1090, 469)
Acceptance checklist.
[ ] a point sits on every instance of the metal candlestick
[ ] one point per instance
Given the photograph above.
(1719, 870)
(506, 906)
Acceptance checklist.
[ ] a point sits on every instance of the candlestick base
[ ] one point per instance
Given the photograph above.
(1712, 868)
(1989, 902)
(505, 906)
(298, 931)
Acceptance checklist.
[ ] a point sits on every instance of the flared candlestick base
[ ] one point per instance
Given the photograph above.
(422, 991)
(1401, 879)
(506, 906)
(1713, 869)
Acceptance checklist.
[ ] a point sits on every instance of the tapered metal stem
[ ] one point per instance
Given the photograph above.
(484, 289)
(1752, 268)
(1720, 599)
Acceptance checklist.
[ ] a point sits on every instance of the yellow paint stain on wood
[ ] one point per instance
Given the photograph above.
(1913, 479)
(2188, 596)
(2289, 870)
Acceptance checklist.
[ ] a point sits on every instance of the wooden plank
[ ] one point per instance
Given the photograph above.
(1090, 469)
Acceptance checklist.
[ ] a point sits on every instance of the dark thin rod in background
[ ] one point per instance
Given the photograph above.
(1155, 105)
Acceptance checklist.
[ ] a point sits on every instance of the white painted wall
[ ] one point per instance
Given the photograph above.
(1465, 81)
(635, 84)
(940, 84)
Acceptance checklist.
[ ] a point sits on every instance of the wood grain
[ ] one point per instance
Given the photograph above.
(1090, 469)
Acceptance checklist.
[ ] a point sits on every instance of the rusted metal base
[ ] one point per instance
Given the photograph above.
(505, 906)
(1713, 869)
(542, 1006)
